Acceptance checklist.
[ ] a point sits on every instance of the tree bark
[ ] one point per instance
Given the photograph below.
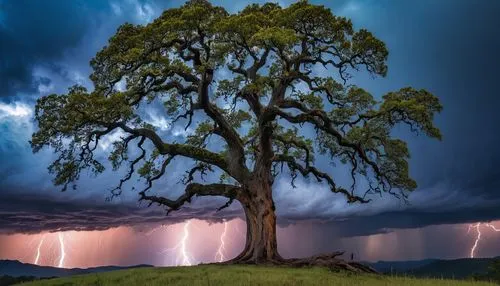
(261, 244)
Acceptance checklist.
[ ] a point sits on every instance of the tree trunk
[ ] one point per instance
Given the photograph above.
(261, 244)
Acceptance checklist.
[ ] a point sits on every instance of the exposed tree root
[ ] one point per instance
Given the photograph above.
(329, 261)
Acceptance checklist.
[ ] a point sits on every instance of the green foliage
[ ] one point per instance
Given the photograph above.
(77, 116)
(290, 142)
(413, 107)
(269, 91)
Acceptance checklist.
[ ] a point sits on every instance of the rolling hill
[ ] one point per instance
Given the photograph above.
(247, 275)
(15, 268)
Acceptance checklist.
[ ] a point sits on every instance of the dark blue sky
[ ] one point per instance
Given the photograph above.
(449, 47)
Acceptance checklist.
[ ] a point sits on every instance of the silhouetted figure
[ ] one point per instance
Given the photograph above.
(352, 256)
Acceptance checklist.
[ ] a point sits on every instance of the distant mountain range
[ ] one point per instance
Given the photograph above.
(15, 268)
(436, 268)
(399, 266)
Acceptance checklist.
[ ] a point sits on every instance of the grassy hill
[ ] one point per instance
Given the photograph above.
(241, 275)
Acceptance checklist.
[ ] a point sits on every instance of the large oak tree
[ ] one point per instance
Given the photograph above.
(251, 82)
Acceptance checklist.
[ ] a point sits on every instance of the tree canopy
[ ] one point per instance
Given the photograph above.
(251, 81)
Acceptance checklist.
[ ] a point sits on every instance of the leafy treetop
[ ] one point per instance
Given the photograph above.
(248, 80)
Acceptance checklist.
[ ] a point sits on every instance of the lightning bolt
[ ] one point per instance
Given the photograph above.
(37, 258)
(183, 257)
(219, 256)
(477, 226)
(62, 252)
(478, 238)
(492, 227)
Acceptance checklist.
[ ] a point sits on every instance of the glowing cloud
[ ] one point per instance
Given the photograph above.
(16, 109)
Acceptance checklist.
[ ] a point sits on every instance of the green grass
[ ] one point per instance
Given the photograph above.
(216, 275)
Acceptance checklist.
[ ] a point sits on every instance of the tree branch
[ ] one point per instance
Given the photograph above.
(320, 176)
(184, 150)
(322, 122)
(192, 190)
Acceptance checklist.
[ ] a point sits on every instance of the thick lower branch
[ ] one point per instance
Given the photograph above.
(185, 150)
(193, 189)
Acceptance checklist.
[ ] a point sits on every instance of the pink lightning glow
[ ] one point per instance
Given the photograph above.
(219, 256)
(37, 258)
(82, 249)
(189, 243)
(478, 238)
(477, 226)
(182, 257)
(129, 246)
(185, 256)
(161, 227)
(62, 251)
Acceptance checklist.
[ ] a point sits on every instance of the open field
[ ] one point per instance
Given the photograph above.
(216, 275)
